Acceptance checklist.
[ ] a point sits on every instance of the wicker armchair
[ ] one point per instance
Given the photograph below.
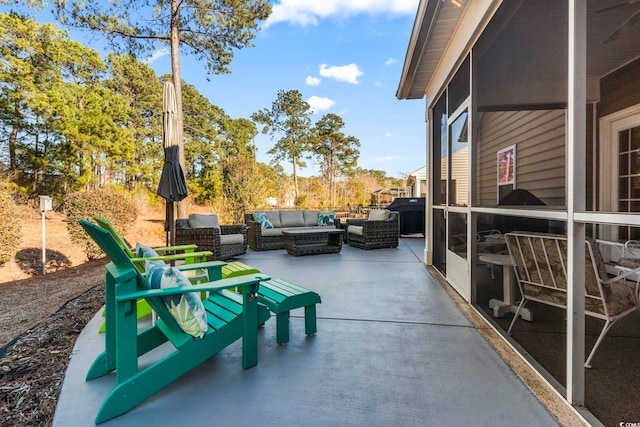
(374, 233)
(225, 241)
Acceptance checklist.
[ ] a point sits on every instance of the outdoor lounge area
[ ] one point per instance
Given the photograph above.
(391, 348)
(516, 301)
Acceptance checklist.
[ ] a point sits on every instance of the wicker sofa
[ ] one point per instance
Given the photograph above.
(225, 241)
(265, 228)
(381, 229)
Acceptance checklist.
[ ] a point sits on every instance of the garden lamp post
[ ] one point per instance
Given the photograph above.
(45, 205)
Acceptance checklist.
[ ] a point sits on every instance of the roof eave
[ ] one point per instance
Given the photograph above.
(419, 37)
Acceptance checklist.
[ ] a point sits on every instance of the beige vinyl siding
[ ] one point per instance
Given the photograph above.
(620, 89)
(539, 137)
(460, 176)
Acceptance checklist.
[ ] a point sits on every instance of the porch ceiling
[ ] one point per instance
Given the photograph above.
(434, 25)
(613, 37)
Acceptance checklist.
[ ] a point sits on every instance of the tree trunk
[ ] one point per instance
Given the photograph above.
(295, 178)
(332, 180)
(177, 84)
(13, 138)
(13, 143)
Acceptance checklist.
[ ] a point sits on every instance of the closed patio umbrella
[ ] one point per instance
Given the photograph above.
(173, 186)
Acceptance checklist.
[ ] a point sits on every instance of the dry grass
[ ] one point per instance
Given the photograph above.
(33, 365)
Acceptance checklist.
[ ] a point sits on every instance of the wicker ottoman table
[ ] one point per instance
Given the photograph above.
(313, 242)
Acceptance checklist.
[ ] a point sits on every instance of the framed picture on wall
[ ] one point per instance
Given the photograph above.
(506, 171)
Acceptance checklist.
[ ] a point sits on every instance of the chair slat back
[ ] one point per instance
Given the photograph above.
(538, 260)
(116, 236)
(631, 249)
(122, 262)
(540, 263)
(595, 276)
(107, 243)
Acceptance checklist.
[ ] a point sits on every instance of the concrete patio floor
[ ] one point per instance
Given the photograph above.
(392, 348)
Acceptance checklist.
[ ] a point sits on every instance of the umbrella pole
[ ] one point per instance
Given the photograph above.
(172, 227)
(169, 224)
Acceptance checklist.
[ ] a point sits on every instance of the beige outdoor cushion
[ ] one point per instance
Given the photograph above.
(315, 227)
(378, 214)
(230, 239)
(278, 231)
(203, 221)
(629, 262)
(271, 231)
(355, 229)
(293, 219)
(310, 218)
(274, 217)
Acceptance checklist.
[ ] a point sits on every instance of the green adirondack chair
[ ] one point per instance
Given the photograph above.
(230, 317)
(186, 253)
(183, 252)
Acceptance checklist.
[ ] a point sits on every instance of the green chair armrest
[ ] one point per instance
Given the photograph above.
(175, 257)
(183, 248)
(248, 283)
(214, 268)
(198, 265)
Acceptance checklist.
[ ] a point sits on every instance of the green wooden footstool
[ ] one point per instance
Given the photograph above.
(236, 268)
(281, 297)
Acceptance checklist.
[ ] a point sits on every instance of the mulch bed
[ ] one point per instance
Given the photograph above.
(33, 365)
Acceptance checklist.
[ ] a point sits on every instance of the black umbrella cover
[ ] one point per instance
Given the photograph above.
(173, 186)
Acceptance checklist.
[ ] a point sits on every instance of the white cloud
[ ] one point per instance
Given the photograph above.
(377, 83)
(387, 134)
(312, 81)
(320, 104)
(390, 61)
(157, 55)
(387, 158)
(308, 12)
(345, 73)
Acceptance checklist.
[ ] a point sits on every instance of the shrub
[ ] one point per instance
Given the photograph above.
(113, 204)
(10, 228)
(301, 202)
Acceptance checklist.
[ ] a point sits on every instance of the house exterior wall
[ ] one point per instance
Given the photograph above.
(541, 67)
(539, 137)
(418, 188)
(460, 176)
(620, 89)
(417, 183)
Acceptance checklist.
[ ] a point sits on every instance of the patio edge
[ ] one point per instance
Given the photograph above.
(566, 414)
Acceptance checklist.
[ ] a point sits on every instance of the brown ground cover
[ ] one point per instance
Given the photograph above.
(42, 315)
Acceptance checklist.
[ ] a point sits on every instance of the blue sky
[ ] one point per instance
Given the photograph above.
(344, 56)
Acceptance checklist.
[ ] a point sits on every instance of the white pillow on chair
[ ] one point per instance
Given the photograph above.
(378, 214)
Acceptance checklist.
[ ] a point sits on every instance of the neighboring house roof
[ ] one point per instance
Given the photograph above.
(422, 172)
(417, 176)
